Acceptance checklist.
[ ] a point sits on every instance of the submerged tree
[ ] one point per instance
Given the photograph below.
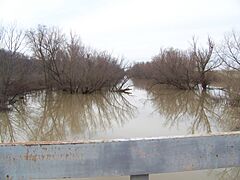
(174, 67)
(15, 68)
(58, 62)
(170, 67)
(205, 62)
(70, 66)
(181, 69)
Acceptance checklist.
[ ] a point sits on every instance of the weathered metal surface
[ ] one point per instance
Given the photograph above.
(140, 177)
(118, 157)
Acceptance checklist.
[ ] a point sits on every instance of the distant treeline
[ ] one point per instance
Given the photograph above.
(57, 62)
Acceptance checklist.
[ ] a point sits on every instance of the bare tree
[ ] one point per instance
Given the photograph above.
(204, 61)
(12, 63)
(45, 44)
(13, 39)
(229, 51)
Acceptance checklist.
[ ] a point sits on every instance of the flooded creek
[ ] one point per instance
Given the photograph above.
(146, 112)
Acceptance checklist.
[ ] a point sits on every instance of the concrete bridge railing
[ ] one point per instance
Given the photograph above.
(136, 158)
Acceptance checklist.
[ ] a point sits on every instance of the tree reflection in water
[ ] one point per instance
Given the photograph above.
(205, 111)
(230, 174)
(200, 108)
(59, 116)
(230, 120)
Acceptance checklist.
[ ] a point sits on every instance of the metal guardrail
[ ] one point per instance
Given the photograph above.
(134, 157)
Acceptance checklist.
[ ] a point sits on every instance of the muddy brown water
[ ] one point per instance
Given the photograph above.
(147, 112)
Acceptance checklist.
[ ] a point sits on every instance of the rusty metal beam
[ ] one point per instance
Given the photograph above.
(118, 157)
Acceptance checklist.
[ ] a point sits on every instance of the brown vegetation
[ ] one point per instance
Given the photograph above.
(229, 53)
(68, 65)
(61, 62)
(58, 62)
(17, 76)
(17, 72)
(181, 69)
(171, 67)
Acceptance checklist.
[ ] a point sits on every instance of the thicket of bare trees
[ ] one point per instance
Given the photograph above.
(170, 67)
(57, 62)
(198, 66)
(17, 71)
(181, 69)
(174, 67)
(69, 65)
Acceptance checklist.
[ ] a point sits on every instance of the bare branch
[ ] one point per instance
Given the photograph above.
(229, 51)
(13, 39)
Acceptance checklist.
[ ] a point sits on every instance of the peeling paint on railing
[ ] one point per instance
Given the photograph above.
(118, 157)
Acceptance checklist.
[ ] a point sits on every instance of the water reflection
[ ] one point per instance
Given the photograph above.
(230, 120)
(58, 116)
(204, 112)
(199, 108)
(230, 174)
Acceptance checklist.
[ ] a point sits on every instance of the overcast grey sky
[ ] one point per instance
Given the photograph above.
(134, 29)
